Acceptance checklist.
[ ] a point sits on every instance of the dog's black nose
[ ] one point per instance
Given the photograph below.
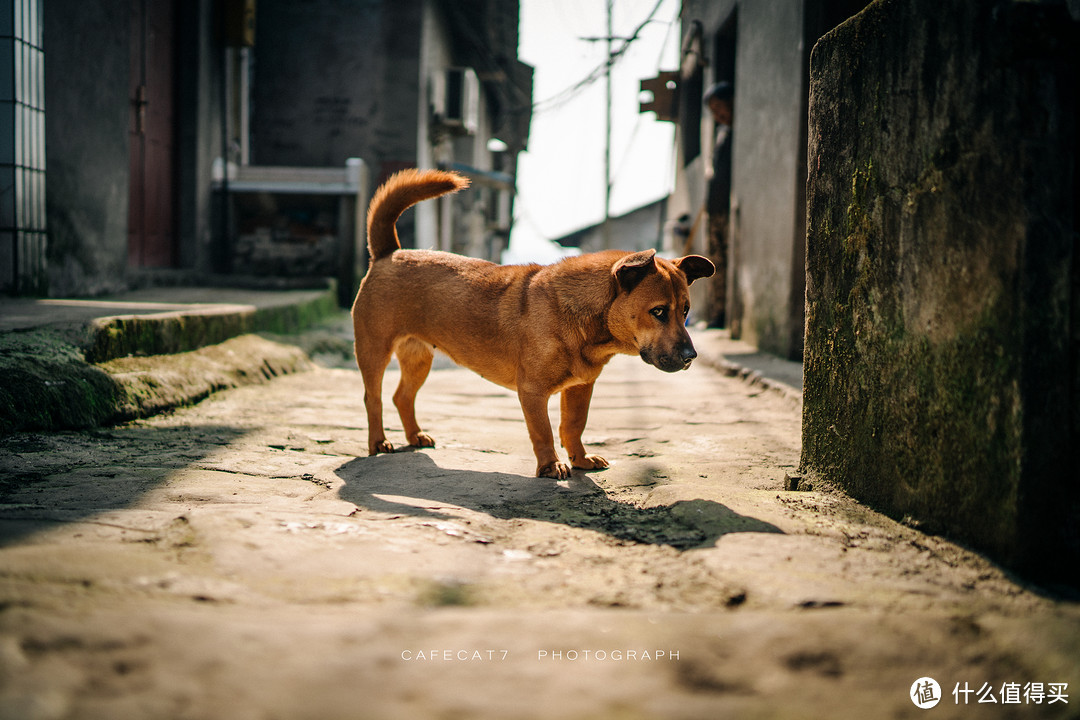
(687, 353)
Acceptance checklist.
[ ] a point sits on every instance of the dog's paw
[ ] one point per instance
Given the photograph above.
(590, 462)
(557, 470)
(422, 440)
(383, 446)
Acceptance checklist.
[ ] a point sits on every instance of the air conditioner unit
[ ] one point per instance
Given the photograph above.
(455, 100)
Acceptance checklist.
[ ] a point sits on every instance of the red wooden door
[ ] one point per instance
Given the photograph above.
(151, 217)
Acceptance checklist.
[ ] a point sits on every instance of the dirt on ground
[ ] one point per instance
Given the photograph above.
(244, 558)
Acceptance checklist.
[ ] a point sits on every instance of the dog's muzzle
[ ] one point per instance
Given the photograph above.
(687, 353)
(679, 360)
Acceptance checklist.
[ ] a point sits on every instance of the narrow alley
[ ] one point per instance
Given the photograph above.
(243, 558)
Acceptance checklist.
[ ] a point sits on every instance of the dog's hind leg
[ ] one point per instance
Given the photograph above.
(372, 363)
(415, 359)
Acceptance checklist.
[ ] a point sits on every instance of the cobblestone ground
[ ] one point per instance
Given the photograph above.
(242, 558)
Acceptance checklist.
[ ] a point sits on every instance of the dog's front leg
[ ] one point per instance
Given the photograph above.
(574, 406)
(534, 405)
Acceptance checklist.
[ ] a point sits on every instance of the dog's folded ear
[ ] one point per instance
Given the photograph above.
(695, 267)
(632, 269)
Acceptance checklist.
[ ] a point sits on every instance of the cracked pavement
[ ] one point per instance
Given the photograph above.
(243, 558)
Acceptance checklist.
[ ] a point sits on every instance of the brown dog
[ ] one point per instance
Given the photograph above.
(535, 329)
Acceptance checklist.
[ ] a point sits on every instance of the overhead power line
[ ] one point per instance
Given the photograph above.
(564, 96)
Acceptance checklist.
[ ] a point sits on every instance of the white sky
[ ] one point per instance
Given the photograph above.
(561, 175)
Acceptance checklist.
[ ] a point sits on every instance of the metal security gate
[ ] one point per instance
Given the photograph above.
(22, 149)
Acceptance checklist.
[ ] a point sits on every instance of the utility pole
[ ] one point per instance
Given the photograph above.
(608, 38)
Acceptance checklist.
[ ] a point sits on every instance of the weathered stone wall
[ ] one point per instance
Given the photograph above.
(336, 80)
(87, 61)
(940, 363)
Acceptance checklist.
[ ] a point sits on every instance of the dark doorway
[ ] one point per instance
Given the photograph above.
(151, 213)
(724, 46)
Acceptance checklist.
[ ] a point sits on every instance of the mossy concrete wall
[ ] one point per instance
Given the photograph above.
(940, 371)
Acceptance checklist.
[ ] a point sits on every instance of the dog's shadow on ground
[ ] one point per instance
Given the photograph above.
(410, 483)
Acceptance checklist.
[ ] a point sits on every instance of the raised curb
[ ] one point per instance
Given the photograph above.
(185, 330)
(738, 359)
(123, 367)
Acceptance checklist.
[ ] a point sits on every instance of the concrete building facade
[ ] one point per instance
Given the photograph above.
(186, 138)
(762, 48)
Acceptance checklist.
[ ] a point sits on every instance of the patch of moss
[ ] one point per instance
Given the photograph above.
(296, 317)
(448, 593)
(45, 384)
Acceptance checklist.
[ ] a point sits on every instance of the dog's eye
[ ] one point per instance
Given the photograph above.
(686, 311)
(660, 313)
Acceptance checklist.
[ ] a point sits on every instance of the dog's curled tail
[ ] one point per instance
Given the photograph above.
(399, 193)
